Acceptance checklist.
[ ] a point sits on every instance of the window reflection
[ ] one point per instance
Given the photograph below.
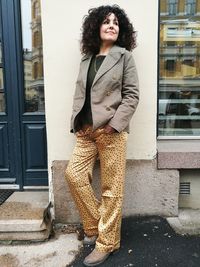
(179, 83)
(172, 7)
(33, 56)
(190, 7)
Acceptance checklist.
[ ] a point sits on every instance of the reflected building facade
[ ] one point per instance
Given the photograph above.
(179, 68)
(33, 64)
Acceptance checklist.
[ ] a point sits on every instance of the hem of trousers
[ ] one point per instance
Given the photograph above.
(90, 233)
(103, 248)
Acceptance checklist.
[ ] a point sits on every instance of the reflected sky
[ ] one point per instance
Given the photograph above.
(26, 26)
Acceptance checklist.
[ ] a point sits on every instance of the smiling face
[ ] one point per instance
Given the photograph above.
(109, 29)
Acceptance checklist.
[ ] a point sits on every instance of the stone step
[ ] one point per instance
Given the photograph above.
(25, 216)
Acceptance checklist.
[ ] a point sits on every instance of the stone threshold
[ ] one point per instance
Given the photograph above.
(26, 216)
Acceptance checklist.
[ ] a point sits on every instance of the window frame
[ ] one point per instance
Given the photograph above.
(166, 137)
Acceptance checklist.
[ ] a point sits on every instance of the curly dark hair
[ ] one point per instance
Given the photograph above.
(90, 43)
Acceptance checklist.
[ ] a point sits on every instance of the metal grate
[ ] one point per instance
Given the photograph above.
(184, 188)
(4, 194)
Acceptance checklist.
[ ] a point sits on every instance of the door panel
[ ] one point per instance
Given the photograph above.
(35, 150)
(35, 154)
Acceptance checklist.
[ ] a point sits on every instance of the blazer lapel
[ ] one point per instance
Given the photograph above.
(111, 59)
(84, 68)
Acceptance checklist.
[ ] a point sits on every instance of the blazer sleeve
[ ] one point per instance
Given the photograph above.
(130, 95)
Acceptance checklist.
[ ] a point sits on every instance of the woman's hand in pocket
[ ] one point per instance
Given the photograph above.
(109, 129)
(80, 133)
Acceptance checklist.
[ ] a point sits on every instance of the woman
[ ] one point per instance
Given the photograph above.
(105, 99)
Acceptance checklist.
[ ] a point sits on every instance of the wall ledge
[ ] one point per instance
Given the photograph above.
(178, 154)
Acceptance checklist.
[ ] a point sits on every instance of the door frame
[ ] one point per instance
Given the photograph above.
(12, 49)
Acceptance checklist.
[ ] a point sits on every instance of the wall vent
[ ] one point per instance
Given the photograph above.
(184, 188)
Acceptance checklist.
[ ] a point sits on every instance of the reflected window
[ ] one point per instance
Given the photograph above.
(172, 7)
(35, 70)
(179, 73)
(33, 56)
(188, 62)
(36, 39)
(170, 65)
(190, 7)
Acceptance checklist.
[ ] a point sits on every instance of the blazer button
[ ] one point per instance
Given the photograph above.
(108, 93)
(107, 108)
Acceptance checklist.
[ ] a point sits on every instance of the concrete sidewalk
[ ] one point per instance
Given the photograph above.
(149, 242)
(58, 251)
(146, 242)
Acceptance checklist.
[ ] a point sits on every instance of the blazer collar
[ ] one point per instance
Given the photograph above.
(115, 49)
(111, 59)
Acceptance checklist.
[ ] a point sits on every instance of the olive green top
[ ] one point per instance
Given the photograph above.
(85, 115)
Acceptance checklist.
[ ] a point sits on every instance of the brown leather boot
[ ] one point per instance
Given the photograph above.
(89, 240)
(95, 258)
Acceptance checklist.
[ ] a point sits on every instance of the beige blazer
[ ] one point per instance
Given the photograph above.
(114, 92)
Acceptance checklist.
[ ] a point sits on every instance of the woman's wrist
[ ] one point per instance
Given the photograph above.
(109, 129)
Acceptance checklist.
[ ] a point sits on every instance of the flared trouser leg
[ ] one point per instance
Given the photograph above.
(79, 175)
(112, 154)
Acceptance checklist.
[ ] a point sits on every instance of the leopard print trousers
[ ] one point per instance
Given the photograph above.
(101, 218)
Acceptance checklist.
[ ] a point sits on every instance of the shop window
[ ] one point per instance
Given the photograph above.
(179, 74)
